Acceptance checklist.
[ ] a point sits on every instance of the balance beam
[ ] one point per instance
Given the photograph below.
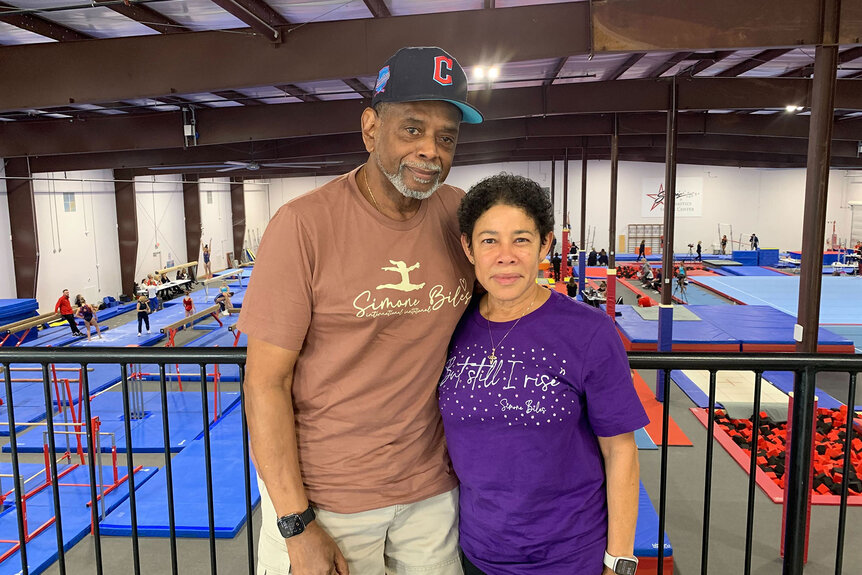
(23, 325)
(172, 268)
(190, 319)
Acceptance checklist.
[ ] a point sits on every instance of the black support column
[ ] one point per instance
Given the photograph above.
(237, 207)
(808, 316)
(22, 217)
(127, 227)
(611, 292)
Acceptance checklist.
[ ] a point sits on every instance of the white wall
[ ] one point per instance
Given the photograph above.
(257, 211)
(7, 279)
(161, 223)
(78, 249)
(762, 201)
(216, 222)
(283, 190)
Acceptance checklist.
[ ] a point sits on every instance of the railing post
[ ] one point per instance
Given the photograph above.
(798, 472)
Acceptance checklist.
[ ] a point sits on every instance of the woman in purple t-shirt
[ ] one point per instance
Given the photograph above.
(539, 426)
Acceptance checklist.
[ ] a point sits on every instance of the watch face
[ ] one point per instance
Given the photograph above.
(626, 567)
(290, 525)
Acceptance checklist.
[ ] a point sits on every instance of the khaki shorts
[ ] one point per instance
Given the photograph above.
(416, 539)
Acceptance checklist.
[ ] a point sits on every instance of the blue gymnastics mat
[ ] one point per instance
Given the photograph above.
(638, 330)
(759, 324)
(59, 336)
(219, 337)
(646, 531)
(839, 300)
(185, 419)
(74, 513)
(29, 397)
(189, 488)
(751, 271)
(643, 440)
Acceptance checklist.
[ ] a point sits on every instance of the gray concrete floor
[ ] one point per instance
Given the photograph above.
(684, 515)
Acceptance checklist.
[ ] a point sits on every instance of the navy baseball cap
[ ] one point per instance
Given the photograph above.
(419, 74)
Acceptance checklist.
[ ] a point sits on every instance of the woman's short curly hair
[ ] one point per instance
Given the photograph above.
(508, 190)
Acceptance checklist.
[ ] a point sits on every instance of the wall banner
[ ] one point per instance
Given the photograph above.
(689, 197)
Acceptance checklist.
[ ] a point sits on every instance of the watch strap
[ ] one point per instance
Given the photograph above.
(295, 523)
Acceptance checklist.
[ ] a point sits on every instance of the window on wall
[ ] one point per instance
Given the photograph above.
(209, 196)
(68, 201)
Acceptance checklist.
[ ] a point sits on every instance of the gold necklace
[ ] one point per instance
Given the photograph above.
(493, 355)
(365, 175)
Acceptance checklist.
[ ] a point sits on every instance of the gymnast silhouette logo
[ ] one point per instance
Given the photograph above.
(401, 268)
(658, 198)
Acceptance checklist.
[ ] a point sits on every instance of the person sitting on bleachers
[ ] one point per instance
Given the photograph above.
(592, 258)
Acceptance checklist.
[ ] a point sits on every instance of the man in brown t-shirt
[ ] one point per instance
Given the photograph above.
(356, 289)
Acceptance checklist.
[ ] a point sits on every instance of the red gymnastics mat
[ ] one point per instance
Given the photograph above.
(653, 408)
(766, 484)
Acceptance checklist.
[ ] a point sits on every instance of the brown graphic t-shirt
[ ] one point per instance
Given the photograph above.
(371, 303)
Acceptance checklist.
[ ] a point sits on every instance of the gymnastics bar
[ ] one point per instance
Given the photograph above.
(23, 324)
(180, 266)
(180, 323)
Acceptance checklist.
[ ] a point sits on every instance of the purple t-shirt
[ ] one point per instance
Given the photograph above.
(522, 436)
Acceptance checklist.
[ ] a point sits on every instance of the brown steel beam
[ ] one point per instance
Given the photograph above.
(640, 25)
(40, 26)
(753, 62)
(22, 217)
(378, 8)
(657, 71)
(257, 15)
(357, 86)
(127, 228)
(41, 75)
(192, 213)
(621, 69)
(237, 207)
(148, 17)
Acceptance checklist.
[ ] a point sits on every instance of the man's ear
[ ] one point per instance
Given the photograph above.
(370, 121)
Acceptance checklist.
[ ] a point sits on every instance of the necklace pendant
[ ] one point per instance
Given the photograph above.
(492, 358)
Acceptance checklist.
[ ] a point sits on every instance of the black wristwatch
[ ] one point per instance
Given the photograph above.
(621, 565)
(295, 523)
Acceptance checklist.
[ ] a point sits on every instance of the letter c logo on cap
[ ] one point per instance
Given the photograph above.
(442, 70)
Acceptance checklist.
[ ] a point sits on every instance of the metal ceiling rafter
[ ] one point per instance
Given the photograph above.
(843, 57)
(555, 71)
(378, 8)
(359, 87)
(40, 26)
(257, 14)
(297, 92)
(753, 62)
(67, 74)
(657, 71)
(238, 97)
(622, 68)
(148, 17)
(705, 63)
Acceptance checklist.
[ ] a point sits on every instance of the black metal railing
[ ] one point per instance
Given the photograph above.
(804, 366)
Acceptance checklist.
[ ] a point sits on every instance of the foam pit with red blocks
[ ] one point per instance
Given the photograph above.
(827, 457)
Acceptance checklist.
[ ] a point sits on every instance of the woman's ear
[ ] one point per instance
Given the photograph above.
(468, 249)
(546, 245)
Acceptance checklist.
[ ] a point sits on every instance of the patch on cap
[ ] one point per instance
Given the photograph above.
(382, 79)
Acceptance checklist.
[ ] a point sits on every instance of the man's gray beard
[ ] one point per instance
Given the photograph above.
(397, 180)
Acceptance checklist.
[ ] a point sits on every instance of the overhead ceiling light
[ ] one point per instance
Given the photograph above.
(479, 73)
(793, 108)
(493, 72)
